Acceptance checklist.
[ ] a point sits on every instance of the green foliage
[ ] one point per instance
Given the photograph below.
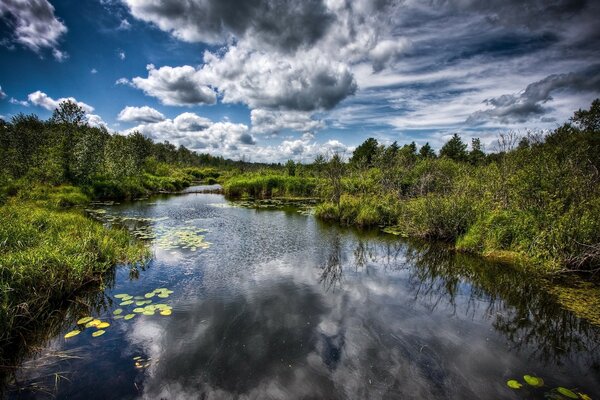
(265, 186)
(536, 203)
(454, 149)
(364, 155)
(47, 253)
(290, 166)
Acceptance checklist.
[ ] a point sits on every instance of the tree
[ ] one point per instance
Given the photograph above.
(68, 112)
(426, 151)
(455, 149)
(334, 171)
(290, 165)
(364, 155)
(476, 155)
(588, 120)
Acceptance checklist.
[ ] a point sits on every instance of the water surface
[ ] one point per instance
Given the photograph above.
(281, 306)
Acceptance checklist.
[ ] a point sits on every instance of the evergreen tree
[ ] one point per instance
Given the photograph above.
(364, 155)
(426, 151)
(476, 155)
(455, 149)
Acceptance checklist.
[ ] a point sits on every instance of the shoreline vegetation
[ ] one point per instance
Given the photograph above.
(534, 202)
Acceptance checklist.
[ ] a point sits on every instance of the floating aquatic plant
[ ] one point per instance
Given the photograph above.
(72, 333)
(84, 320)
(556, 393)
(99, 333)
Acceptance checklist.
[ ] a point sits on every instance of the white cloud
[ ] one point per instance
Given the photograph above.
(41, 99)
(2, 94)
(121, 54)
(93, 71)
(96, 121)
(175, 86)
(140, 114)
(124, 25)
(265, 121)
(304, 82)
(34, 25)
(199, 133)
(123, 81)
(23, 103)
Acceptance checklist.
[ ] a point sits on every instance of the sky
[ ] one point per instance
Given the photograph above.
(271, 80)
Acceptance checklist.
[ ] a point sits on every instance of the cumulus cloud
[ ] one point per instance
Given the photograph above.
(265, 121)
(140, 114)
(174, 86)
(283, 24)
(41, 99)
(304, 82)
(96, 121)
(34, 25)
(198, 133)
(23, 103)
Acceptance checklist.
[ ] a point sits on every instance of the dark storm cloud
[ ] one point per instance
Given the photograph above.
(284, 24)
(519, 108)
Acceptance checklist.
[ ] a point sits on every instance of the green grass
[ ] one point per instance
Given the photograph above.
(266, 186)
(48, 253)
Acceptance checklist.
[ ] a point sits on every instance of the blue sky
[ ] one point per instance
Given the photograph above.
(272, 80)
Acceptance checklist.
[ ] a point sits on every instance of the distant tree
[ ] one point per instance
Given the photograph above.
(455, 149)
(476, 155)
(364, 155)
(68, 112)
(290, 166)
(426, 151)
(588, 120)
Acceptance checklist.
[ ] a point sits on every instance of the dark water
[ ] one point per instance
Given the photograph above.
(281, 306)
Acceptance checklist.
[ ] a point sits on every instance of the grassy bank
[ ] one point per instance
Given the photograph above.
(48, 251)
(536, 201)
(269, 185)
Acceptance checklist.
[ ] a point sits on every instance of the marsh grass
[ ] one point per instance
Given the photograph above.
(50, 251)
(270, 185)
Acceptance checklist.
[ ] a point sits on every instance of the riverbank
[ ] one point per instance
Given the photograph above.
(49, 250)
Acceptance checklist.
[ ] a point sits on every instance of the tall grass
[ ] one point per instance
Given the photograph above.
(266, 186)
(48, 253)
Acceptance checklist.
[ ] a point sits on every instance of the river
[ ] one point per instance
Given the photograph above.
(274, 304)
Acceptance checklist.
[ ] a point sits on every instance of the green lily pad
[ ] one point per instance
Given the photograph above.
(140, 303)
(138, 310)
(84, 320)
(513, 384)
(118, 316)
(165, 312)
(566, 392)
(118, 311)
(148, 313)
(533, 380)
(128, 317)
(94, 322)
(163, 295)
(126, 303)
(98, 333)
(103, 325)
(72, 333)
(121, 295)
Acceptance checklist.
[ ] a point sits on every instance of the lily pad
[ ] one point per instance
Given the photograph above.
(98, 333)
(147, 312)
(121, 295)
(140, 303)
(103, 325)
(118, 316)
(84, 320)
(128, 317)
(149, 295)
(513, 384)
(566, 392)
(94, 322)
(533, 380)
(118, 311)
(165, 312)
(72, 333)
(126, 303)
(138, 310)
(163, 295)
